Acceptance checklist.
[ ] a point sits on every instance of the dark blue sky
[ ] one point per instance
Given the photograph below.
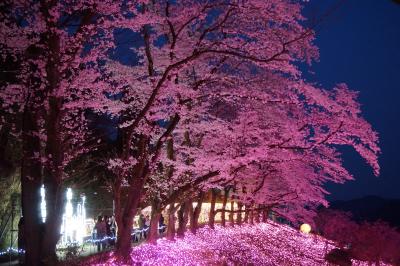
(360, 45)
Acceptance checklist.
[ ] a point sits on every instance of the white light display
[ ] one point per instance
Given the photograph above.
(43, 204)
(73, 225)
(80, 221)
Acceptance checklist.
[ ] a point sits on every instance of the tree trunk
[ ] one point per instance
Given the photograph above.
(125, 221)
(211, 218)
(224, 201)
(246, 213)
(265, 215)
(155, 219)
(30, 188)
(116, 192)
(124, 238)
(239, 214)
(183, 217)
(51, 230)
(190, 213)
(125, 226)
(138, 178)
(196, 213)
(53, 176)
(251, 216)
(171, 222)
(256, 214)
(181, 231)
(231, 217)
(170, 235)
(7, 168)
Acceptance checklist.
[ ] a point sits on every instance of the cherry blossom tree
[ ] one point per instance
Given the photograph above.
(219, 78)
(282, 145)
(186, 47)
(198, 59)
(58, 46)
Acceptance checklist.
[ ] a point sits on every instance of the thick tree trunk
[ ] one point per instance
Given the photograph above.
(32, 220)
(251, 216)
(224, 201)
(170, 235)
(138, 178)
(183, 217)
(231, 217)
(53, 177)
(124, 238)
(256, 214)
(7, 168)
(196, 213)
(116, 190)
(264, 215)
(239, 214)
(211, 218)
(54, 150)
(155, 218)
(125, 221)
(51, 230)
(171, 222)
(190, 213)
(180, 232)
(123, 246)
(246, 213)
(30, 189)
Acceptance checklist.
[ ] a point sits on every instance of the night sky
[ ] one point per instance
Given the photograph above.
(360, 45)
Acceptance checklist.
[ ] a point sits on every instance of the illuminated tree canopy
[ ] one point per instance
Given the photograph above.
(215, 101)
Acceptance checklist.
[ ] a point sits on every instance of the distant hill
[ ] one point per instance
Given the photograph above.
(371, 208)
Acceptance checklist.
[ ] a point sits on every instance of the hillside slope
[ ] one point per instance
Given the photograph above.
(261, 244)
(371, 208)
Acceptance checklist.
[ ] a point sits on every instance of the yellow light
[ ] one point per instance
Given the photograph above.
(305, 228)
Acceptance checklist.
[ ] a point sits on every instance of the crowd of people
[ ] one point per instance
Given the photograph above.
(105, 230)
(142, 227)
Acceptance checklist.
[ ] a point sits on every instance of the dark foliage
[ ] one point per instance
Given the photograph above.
(338, 257)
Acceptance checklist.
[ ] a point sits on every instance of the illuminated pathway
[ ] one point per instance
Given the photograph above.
(261, 244)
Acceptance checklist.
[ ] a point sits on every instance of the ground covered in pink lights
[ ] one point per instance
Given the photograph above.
(261, 244)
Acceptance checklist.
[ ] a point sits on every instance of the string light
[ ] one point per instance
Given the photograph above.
(137, 231)
(94, 241)
(12, 250)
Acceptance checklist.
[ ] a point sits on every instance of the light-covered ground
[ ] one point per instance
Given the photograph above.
(260, 244)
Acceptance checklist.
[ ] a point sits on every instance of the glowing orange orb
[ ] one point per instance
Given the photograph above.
(305, 228)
